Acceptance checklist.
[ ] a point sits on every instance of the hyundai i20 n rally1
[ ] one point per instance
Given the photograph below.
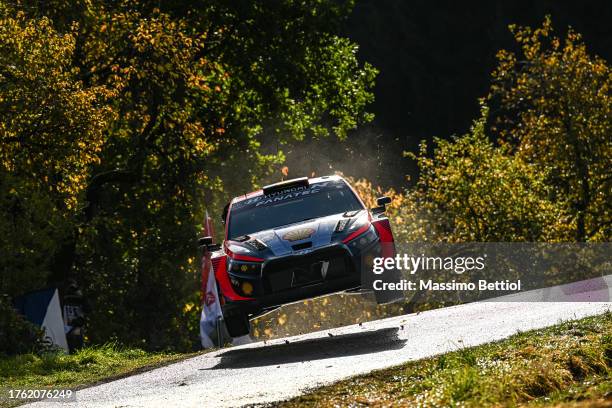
(294, 240)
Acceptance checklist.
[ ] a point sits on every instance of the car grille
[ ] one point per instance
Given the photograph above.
(296, 271)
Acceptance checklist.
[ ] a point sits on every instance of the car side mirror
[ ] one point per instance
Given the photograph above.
(206, 243)
(381, 202)
(224, 213)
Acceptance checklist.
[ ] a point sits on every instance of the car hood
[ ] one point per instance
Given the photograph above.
(301, 237)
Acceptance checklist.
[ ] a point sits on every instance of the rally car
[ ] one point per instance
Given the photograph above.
(295, 240)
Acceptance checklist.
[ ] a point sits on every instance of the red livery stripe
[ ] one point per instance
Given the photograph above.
(224, 283)
(356, 233)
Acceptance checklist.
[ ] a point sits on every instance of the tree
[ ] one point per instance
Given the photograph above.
(553, 108)
(473, 191)
(51, 132)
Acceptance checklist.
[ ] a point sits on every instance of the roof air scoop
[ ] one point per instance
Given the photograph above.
(288, 185)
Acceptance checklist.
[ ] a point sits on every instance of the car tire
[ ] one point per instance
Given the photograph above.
(389, 296)
(237, 324)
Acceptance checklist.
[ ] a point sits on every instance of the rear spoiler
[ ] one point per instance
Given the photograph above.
(285, 185)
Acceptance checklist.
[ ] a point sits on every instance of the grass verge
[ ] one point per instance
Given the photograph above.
(86, 367)
(568, 365)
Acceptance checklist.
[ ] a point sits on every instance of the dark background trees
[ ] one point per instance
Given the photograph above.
(435, 59)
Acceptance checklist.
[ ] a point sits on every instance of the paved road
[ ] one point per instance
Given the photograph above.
(283, 368)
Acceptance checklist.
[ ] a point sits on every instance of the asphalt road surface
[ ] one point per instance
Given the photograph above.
(261, 373)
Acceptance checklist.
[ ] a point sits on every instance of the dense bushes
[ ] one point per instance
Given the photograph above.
(17, 335)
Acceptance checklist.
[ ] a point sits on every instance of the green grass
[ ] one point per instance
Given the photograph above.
(86, 367)
(568, 365)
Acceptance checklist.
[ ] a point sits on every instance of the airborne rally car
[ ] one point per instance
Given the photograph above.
(295, 240)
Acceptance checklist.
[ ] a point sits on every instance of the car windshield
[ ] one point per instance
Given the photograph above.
(291, 206)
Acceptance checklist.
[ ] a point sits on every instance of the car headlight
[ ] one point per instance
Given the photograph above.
(244, 267)
(365, 239)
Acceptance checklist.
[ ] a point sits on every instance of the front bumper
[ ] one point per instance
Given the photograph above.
(301, 275)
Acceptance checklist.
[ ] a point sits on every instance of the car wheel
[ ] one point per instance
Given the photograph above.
(237, 324)
(390, 296)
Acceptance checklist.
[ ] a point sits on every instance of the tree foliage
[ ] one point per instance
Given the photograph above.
(555, 112)
(470, 190)
(127, 119)
(122, 122)
(52, 126)
(52, 130)
(535, 166)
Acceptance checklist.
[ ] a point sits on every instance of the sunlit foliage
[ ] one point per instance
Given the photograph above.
(470, 190)
(555, 113)
(52, 125)
(52, 130)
